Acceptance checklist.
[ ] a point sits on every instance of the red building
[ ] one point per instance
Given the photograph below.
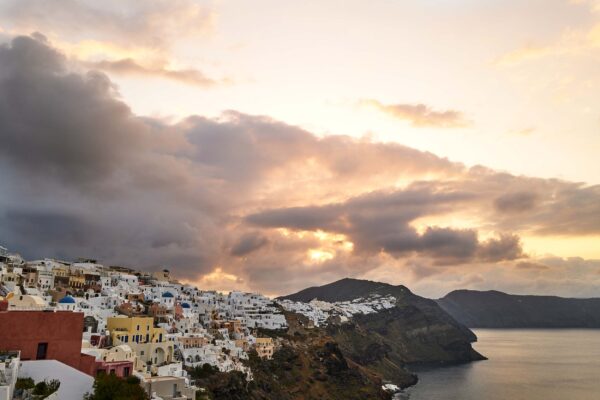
(41, 335)
(122, 369)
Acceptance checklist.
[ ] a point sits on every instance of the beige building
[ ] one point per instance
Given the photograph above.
(25, 302)
(169, 388)
(162, 276)
(187, 342)
(265, 347)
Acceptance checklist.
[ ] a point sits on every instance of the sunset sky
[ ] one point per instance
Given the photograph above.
(272, 145)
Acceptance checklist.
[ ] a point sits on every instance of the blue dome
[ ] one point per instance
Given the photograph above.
(167, 294)
(185, 305)
(67, 300)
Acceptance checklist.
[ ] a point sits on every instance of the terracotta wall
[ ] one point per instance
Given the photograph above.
(24, 330)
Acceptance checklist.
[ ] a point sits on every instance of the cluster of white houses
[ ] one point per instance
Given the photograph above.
(125, 322)
(319, 312)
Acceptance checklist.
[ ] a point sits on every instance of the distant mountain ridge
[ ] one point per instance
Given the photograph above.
(494, 309)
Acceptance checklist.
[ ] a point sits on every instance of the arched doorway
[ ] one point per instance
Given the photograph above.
(159, 356)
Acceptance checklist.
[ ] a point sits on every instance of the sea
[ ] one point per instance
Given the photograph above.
(523, 364)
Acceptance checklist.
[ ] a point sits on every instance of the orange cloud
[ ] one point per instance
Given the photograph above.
(129, 66)
(421, 115)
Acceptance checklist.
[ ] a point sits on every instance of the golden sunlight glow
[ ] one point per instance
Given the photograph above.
(219, 275)
(94, 50)
(319, 256)
(565, 246)
(331, 245)
(218, 280)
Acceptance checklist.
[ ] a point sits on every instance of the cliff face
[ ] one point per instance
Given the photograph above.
(415, 331)
(493, 309)
(309, 366)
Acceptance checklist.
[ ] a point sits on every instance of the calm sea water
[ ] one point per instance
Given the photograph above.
(523, 364)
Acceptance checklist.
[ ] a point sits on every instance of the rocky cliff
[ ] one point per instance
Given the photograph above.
(309, 365)
(415, 331)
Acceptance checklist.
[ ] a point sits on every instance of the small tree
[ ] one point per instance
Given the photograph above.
(111, 387)
(46, 388)
(203, 372)
(24, 383)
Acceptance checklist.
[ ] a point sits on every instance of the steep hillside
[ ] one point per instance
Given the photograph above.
(415, 331)
(308, 366)
(493, 309)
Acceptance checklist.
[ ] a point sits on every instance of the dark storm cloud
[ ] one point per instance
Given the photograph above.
(46, 227)
(149, 193)
(516, 202)
(59, 124)
(381, 222)
(248, 243)
(531, 266)
(505, 247)
(303, 218)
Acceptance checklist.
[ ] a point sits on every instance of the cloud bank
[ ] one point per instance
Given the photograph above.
(249, 202)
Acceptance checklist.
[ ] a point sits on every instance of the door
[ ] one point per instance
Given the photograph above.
(42, 350)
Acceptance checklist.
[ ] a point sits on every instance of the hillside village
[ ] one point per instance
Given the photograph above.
(74, 321)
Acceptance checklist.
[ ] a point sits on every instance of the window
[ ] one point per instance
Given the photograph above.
(138, 327)
(126, 371)
(42, 349)
(147, 338)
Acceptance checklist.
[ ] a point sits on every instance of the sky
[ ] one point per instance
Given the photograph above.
(270, 146)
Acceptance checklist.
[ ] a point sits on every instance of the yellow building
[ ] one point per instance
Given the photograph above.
(61, 271)
(149, 343)
(76, 281)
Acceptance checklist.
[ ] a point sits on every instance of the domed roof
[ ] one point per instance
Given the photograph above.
(167, 294)
(67, 300)
(185, 305)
